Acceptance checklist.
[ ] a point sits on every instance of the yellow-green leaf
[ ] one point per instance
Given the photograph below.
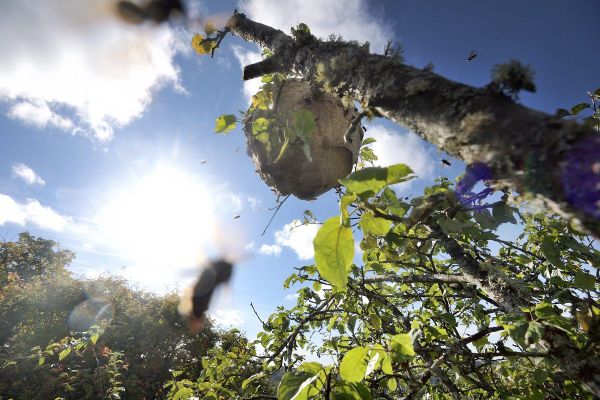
(225, 123)
(353, 367)
(94, 338)
(295, 386)
(64, 353)
(401, 345)
(375, 226)
(202, 45)
(368, 181)
(334, 252)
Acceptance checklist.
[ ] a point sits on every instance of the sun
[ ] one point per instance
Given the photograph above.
(162, 222)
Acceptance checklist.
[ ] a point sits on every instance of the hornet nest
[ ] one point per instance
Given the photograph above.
(293, 160)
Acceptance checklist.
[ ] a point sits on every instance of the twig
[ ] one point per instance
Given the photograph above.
(255, 313)
(274, 214)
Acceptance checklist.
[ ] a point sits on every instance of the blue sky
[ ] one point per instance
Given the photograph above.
(106, 130)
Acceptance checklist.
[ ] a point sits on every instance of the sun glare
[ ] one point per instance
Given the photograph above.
(162, 223)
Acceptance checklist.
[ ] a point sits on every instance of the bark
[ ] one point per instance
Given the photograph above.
(536, 154)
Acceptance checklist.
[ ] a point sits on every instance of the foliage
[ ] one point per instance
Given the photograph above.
(439, 307)
(593, 106)
(50, 348)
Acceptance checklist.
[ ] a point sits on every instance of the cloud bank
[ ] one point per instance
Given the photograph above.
(33, 212)
(75, 66)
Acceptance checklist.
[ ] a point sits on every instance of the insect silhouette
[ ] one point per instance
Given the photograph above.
(158, 11)
(472, 55)
(446, 162)
(196, 300)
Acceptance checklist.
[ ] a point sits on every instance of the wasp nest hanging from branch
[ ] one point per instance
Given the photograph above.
(295, 136)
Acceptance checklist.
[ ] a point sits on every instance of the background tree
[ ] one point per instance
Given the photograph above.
(47, 349)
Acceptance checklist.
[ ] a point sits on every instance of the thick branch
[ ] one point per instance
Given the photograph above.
(530, 151)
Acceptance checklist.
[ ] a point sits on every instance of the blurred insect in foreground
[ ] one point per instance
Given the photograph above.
(472, 55)
(157, 11)
(196, 299)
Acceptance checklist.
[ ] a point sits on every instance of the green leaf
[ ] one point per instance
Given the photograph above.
(534, 333)
(369, 140)
(345, 201)
(561, 112)
(551, 253)
(585, 281)
(183, 393)
(261, 100)
(351, 391)
(225, 123)
(311, 367)
(282, 150)
(260, 125)
(544, 310)
(94, 338)
(503, 213)
(484, 218)
(369, 181)
(295, 386)
(375, 226)
(251, 379)
(353, 367)
(391, 384)
(576, 109)
(304, 122)
(401, 345)
(540, 375)
(375, 322)
(334, 252)
(41, 361)
(64, 353)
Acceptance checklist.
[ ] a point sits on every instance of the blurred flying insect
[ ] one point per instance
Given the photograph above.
(472, 55)
(196, 299)
(446, 162)
(157, 11)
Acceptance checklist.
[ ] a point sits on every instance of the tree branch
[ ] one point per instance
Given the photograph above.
(530, 151)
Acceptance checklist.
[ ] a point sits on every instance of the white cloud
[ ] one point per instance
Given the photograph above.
(228, 317)
(246, 57)
(254, 203)
(270, 249)
(393, 147)
(298, 237)
(27, 175)
(352, 19)
(31, 212)
(237, 203)
(78, 56)
(37, 112)
(292, 296)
